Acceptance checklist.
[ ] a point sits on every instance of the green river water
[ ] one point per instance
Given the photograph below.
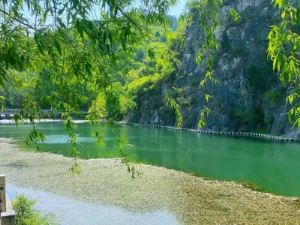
(273, 166)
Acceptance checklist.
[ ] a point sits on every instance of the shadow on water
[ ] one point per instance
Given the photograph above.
(70, 211)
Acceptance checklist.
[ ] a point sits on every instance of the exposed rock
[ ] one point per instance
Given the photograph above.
(248, 96)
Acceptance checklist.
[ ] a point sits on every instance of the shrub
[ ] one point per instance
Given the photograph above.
(234, 16)
(26, 214)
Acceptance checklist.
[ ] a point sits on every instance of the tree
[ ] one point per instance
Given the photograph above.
(70, 46)
(284, 51)
(67, 42)
(68, 49)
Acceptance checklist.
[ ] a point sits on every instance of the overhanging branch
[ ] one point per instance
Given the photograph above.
(18, 20)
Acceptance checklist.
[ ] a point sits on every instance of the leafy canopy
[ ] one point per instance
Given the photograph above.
(59, 28)
(65, 55)
(284, 51)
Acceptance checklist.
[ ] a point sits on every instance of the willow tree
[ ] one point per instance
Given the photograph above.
(207, 14)
(67, 49)
(38, 35)
(284, 51)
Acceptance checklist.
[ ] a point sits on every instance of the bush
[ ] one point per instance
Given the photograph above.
(234, 16)
(27, 215)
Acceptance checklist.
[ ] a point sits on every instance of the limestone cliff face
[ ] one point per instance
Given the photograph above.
(247, 97)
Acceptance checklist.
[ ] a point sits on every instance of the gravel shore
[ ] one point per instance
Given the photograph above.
(192, 199)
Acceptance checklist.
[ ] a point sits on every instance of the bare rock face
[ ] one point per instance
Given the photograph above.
(248, 95)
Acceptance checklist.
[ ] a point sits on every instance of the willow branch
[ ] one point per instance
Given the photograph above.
(128, 17)
(18, 20)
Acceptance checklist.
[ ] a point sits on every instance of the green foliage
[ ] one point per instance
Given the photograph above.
(117, 21)
(99, 136)
(157, 65)
(117, 103)
(208, 17)
(76, 60)
(208, 13)
(234, 16)
(122, 143)
(2, 104)
(31, 109)
(80, 56)
(17, 88)
(159, 60)
(26, 214)
(97, 109)
(174, 106)
(35, 137)
(141, 82)
(15, 49)
(70, 128)
(71, 51)
(75, 169)
(208, 77)
(74, 56)
(283, 49)
(203, 114)
(172, 99)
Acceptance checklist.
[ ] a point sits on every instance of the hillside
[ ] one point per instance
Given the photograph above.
(245, 95)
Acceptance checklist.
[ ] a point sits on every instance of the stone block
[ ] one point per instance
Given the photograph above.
(7, 218)
(2, 194)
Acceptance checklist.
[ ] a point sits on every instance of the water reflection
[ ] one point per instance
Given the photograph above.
(70, 211)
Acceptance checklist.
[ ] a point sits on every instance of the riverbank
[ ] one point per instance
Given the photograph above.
(26, 121)
(192, 199)
(69, 211)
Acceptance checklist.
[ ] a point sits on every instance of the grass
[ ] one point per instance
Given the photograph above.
(26, 214)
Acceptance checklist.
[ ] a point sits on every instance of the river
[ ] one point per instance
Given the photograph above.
(273, 166)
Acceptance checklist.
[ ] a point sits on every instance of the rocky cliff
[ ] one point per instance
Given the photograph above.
(247, 95)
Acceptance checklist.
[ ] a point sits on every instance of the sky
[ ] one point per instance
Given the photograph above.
(178, 8)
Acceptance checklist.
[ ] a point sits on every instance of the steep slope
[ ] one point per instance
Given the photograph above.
(247, 95)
